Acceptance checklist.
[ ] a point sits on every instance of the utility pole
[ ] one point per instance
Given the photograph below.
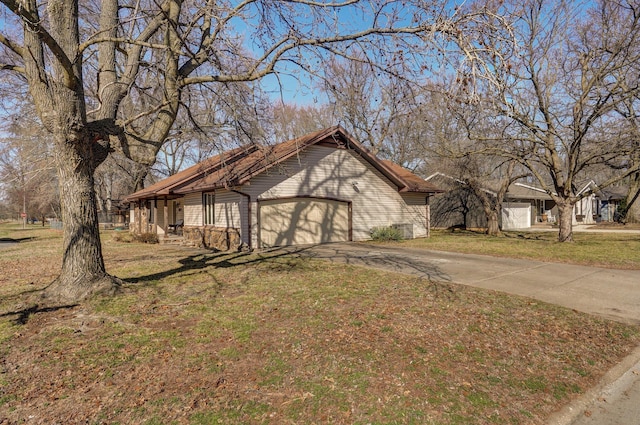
(24, 204)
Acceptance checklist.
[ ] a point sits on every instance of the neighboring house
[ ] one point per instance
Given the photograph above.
(524, 205)
(323, 187)
(609, 200)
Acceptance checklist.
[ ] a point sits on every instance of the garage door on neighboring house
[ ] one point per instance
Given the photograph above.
(516, 215)
(299, 221)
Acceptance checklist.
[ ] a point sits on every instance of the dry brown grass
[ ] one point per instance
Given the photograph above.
(613, 250)
(203, 338)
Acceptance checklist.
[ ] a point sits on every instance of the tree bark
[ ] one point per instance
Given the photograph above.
(493, 227)
(83, 272)
(633, 201)
(565, 222)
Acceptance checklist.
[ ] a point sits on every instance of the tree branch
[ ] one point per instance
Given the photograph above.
(17, 49)
(11, 67)
(32, 23)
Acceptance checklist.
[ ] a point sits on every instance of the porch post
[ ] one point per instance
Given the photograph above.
(145, 216)
(138, 226)
(166, 218)
(154, 227)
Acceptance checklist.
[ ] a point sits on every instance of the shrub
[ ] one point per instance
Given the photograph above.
(386, 233)
(147, 238)
(128, 237)
(123, 237)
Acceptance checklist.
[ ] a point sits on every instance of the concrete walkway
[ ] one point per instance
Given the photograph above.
(613, 294)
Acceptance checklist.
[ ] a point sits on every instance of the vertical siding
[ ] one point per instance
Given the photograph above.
(326, 172)
(193, 209)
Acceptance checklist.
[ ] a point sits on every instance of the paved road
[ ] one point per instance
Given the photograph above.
(614, 294)
(617, 404)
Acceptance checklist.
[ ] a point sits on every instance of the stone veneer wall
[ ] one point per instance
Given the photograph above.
(217, 238)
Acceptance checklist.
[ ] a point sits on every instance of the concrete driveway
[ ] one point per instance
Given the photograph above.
(613, 294)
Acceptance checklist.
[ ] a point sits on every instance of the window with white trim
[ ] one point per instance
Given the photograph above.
(208, 201)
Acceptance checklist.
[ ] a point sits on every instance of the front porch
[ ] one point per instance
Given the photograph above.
(163, 217)
(172, 240)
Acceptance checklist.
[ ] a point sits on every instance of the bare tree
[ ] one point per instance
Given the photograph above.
(486, 178)
(289, 121)
(112, 75)
(631, 128)
(27, 175)
(115, 178)
(378, 107)
(438, 127)
(574, 66)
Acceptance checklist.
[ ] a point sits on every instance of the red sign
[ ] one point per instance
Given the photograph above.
(23, 215)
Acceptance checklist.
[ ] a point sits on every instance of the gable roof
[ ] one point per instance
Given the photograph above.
(442, 179)
(516, 190)
(526, 191)
(613, 193)
(237, 166)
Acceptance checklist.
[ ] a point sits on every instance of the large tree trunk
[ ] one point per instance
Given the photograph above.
(491, 208)
(633, 199)
(83, 272)
(493, 227)
(565, 221)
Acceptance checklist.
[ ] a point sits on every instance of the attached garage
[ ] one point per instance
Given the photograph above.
(300, 221)
(516, 215)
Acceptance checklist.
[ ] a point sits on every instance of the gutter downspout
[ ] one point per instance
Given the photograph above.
(428, 213)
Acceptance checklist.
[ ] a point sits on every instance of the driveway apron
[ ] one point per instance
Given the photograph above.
(610, 293)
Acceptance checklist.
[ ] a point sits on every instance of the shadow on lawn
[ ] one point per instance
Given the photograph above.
(385, 257)
(24, 314)
(279, 259)
(214, 260)
(15, 240)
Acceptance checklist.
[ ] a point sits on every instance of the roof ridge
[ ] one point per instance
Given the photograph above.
(238, 166)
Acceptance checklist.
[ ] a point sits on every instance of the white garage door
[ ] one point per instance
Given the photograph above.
(302, 221)
(516, 216)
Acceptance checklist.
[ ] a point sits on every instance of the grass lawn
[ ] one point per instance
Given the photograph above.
(614, 250)
(202, 338)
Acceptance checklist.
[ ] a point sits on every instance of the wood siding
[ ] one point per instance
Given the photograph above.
(193, 209)
(415, 213)
(231, 210)
(325, 172)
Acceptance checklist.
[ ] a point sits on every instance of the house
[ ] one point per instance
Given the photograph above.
(322, 187)
(523, 206)
(526, 205)
(609, 199)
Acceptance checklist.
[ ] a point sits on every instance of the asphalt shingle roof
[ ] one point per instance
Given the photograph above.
(237, 166)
